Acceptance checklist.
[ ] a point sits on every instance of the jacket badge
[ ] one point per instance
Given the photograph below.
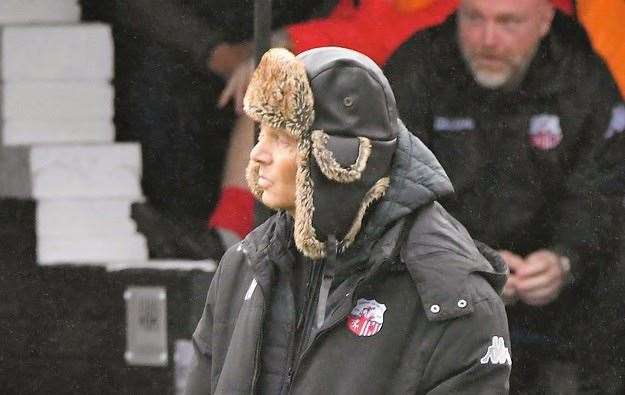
(617, 122)
(545, 131)
(366, 318)
(497, 353)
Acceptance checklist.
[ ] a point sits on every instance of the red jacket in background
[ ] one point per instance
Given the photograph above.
(376, 27)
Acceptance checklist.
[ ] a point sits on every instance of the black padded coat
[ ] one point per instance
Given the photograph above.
(443, 331)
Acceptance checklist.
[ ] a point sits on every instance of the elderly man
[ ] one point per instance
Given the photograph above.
(361, 283)
(528, 123)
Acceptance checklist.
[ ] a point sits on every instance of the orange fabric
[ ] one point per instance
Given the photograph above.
(604, 21)
(411, 5)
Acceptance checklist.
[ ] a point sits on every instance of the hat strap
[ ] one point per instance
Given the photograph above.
(330, 167)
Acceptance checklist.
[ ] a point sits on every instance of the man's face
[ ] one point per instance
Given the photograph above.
(276, 154)
(498, 38)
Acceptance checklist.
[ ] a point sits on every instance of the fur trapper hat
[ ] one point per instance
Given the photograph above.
(341, 110)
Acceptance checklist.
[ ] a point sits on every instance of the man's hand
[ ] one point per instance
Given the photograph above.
(514, 262)
(225, 58)
(539, 280)
(237, 85)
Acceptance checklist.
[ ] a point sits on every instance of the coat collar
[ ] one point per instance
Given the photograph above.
(268, 245)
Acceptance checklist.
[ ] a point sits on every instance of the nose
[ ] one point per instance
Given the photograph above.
(489, 34)
(259, 153)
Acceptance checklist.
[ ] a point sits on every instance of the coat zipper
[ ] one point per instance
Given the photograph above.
(297, 363)
(302, 353)
(308, 318)
(259, 340)
(257, 353)
(294, 339)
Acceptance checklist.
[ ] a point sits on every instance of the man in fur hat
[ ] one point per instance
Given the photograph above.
(361, 282)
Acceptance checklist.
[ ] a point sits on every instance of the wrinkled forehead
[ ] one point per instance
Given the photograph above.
(268, 130)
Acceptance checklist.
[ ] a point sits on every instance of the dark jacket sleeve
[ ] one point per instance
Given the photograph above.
(199, 380)
(406, 71)
(597, 183)
(171, 24)
(471, 356)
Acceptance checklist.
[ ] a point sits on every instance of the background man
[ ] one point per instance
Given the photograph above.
(528, 123)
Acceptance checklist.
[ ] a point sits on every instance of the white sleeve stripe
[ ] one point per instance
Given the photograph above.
(250, 290)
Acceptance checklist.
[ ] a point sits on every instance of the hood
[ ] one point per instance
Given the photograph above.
(441, 256)
(416, 180)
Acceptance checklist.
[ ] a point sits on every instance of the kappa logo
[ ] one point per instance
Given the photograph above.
(545, 131)
(497, 353)
(617, 122)
(366, 318)
(444, 124)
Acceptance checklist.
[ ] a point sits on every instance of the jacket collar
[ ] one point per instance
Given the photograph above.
(270, 244)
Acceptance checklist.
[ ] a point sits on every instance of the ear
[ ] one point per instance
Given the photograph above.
(548, 11)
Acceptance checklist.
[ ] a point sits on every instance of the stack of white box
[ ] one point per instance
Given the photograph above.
(56, 134)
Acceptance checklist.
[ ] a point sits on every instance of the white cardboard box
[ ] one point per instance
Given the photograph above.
(75, 52)
(71, 171)
(39, 11)
(84, 218)
(47, 132)
(58, 101)
(84, 250)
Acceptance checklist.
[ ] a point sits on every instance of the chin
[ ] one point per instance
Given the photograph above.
(270, 202)
(275, 203)
(491, 80)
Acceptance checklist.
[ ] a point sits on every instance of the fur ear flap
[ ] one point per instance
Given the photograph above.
(331, 168)
(279, 93)
(304, 232)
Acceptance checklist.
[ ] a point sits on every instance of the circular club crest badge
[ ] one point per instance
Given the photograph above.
(366, 318)
(545, 131)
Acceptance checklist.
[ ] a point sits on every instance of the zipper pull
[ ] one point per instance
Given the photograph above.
(328, 277)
